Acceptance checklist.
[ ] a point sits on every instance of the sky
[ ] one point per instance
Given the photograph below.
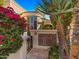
(29, 5)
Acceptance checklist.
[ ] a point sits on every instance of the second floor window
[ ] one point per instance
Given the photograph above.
(33, 22)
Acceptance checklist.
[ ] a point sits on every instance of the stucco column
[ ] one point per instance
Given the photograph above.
(62, 43)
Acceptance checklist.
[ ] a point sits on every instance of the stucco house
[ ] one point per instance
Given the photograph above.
(12, 3)
(17, 8)
(34, 19)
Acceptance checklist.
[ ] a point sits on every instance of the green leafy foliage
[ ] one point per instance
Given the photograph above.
(47, 27)
(11, 28)
(58, 10)
(54, 52)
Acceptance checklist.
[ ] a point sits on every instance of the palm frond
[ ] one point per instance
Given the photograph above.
(56, 6)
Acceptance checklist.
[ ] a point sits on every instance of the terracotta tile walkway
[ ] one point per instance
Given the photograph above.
(37, 53)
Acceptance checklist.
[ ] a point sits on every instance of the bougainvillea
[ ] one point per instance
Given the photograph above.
(11, 28)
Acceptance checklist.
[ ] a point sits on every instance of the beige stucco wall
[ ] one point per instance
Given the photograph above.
(17, 8)
(6, 3)
(20, 54)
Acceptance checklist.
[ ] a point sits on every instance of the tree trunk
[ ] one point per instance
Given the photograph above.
(62, 43)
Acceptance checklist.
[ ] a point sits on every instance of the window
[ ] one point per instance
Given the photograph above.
(33, 22)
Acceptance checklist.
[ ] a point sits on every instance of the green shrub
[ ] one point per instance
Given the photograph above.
(54, 52)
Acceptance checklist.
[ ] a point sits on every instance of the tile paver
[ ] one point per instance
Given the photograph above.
(37, 53)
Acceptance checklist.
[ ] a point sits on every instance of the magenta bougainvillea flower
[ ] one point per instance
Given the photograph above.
(1, 38)
(9, 12)
(11, 28)
(2, 10)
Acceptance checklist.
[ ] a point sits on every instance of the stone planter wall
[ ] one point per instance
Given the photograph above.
(21, 53)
